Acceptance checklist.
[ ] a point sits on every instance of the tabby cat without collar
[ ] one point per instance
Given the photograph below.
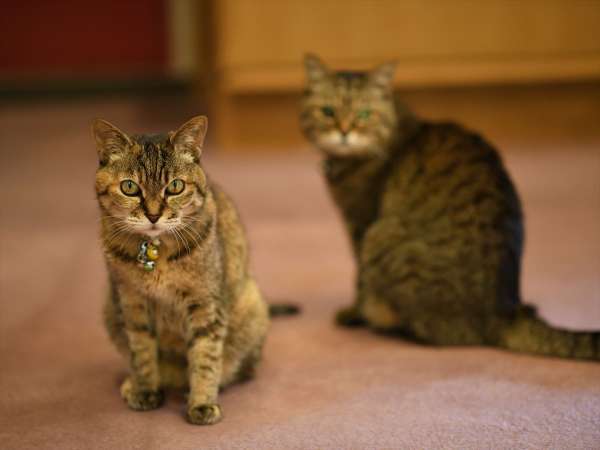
(434, 219)
(182, 306)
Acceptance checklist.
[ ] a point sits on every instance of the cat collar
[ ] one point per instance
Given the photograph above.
(148, 254)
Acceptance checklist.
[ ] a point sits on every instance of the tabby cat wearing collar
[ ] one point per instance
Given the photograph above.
(183, 306)
(433, 217)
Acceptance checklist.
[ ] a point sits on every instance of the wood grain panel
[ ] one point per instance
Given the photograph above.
(435, 41)
(452, 44)
(555, 116)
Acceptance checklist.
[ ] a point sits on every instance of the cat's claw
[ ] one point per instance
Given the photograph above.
(349, 317)
(204, 414)
(141, 399)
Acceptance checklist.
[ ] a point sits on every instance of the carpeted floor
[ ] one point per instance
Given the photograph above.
(319, 387)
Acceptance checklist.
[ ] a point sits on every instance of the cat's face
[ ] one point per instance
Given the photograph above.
(348, 114)
(150, 184)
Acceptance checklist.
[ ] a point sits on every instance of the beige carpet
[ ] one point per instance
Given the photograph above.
(319, 387)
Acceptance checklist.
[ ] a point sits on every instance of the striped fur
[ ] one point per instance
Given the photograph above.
(198, 320)
(434, 220)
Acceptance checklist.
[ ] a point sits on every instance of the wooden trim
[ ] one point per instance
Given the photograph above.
(288, 78)
(528, 114)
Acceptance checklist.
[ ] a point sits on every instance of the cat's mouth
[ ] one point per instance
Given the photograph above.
(338, 144)
(345, 150)
(151, 229)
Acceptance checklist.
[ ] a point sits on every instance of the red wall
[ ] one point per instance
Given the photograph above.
(51, 38)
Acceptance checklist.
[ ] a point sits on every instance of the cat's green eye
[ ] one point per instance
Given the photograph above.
(175, 187)
(130, 188)
(364, 114)
(328, 111)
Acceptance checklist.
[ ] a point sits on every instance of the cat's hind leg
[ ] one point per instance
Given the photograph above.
(248, 326)
(380, 314)
(414, 284)
(377, 269)
(350, 316)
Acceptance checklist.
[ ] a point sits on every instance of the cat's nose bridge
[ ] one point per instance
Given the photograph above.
(153, 206)
(345, 123)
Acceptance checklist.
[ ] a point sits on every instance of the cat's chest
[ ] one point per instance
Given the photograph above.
(168, 284)
(168, 290)
(161, 284)
(355, 187)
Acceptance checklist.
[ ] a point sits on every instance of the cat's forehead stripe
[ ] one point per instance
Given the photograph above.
(350, 81)
(152, 159)
(351, 76)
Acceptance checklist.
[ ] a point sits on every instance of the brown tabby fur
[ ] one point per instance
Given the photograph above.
(434, 219)
(198, 319)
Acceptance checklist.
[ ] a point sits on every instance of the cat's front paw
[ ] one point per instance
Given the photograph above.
(141, 399)
(349, 317)
(204, 414)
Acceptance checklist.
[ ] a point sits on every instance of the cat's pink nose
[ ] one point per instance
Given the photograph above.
(345, 125)
(153, 217)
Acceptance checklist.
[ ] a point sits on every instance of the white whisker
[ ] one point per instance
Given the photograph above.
(189, 231)
(182, 239)
(176, 240)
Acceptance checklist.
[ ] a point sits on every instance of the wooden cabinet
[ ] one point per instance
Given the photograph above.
(258, 47)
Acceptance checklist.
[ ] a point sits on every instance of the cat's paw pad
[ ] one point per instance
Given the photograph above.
(141, 399)
(204, 414)
(349, 317)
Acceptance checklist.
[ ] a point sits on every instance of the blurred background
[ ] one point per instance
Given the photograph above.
(516, 70)
(524, 73)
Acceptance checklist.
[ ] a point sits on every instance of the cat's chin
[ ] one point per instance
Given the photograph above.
(152, 233)
(347, 152)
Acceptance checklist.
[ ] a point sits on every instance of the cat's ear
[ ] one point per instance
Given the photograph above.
(189, 138)
(316, 70)
(383, 75)
(110, 141)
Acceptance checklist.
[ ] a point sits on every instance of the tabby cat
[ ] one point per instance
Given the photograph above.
(182, 306)
(434, 220)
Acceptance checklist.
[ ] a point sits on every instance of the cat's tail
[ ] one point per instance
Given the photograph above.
(528, 333)
(283, 309)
